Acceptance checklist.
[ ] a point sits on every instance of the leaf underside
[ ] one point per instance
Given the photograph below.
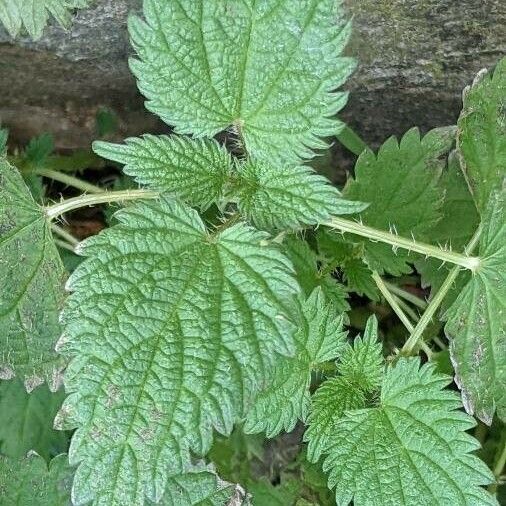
(34, 15)
(32, 278)
(400, 184)
(267, 68)
(411, 449)
(476, 322)
(173, 330)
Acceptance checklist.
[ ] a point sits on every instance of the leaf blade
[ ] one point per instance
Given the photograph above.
(247, 89)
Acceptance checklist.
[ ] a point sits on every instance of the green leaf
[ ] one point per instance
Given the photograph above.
(235, 456)
(401, 185)
(409, 450)
(482, 133)
(196, 487)
(266, 68)
(287, 400)
(38, 149)
(288, 197)
(33, 15)
(361, 372)
(173, 330)
(454, 231)
(32, 278)
(266, 494)
(476, 323)
(26, 421)
(29, 482)
(362, 363)
(309, 276)
(4, 136)
(192, 170)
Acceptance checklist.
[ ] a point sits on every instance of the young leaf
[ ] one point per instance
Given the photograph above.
(288, 197)
(482, 133)
(28, 481)
(173, 330)
(309, 276)
(193, 170)
(287, 400)
(477, 325)
(361, 373)
(400, 183)
(411, 449)
(31, 281)
(38, 149)
(26, 421)
(34, 14)
(269, 69)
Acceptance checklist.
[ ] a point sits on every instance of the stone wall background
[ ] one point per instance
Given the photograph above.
(415, 56)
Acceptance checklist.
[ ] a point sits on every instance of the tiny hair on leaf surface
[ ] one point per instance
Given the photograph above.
(32, 280)
(401, 185)
(173, 330)
(193, 170)
(33, 15)
(410, 449)
(286, 401)
(482, 133)
(269, 69)
(476, 322)
(275, 197)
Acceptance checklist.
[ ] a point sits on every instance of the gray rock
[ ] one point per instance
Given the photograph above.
(415, 57)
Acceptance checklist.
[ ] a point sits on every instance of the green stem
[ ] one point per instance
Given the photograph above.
(391, 300)
(351, 141)
(69, 180)
(500, 462)
(373, 234)
(413, 341)
(65, 245)
(64, 234)
(404, 294)
(102, 198)
(405, 307)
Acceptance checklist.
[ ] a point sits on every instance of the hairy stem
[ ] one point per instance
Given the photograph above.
(69, 180)
(66, 236)
(65, 245)
(417, 335)
(408, 296)
(102, 198)
(391, 300)
(354, 227)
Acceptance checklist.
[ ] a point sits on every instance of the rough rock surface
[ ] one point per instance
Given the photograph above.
(415, 57)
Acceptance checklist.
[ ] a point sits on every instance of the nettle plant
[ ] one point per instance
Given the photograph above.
(219, 295)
